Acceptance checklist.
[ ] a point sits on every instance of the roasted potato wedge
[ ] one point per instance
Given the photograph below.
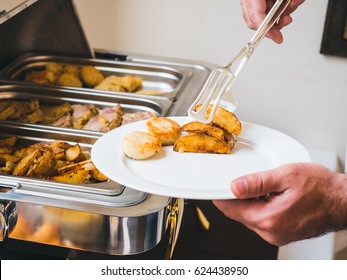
(8, 157)
(201, 143)
(72, 177)
(42, 166)
(198, 127)
(72, 153)
(224, 119)
(24, 164)
(97, 175)
(8, 142)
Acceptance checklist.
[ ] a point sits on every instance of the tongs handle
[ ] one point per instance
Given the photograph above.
(271, 18)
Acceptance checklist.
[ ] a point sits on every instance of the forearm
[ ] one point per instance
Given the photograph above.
(339, 201)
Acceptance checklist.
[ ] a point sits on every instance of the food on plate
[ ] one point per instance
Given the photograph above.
(201, 143)
(215, 137)
(167, 130)
(91, 76)
(224, 119)
(212, 130)
(87, 116)
(55, 160)
(140, 145)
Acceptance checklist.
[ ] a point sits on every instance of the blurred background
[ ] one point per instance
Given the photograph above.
(289, 87)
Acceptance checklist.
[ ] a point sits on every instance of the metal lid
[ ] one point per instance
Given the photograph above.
(42, 26)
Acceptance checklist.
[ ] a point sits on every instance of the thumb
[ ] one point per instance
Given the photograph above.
(255, 185)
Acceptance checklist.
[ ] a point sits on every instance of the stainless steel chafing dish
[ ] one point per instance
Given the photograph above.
(105, 217)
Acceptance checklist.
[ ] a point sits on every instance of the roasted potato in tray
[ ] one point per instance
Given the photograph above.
(55, 160)
(201, 143)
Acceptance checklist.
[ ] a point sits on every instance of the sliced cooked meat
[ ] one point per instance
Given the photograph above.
(137, 116)
(97, 123)
(113, 115)
(82, 113)
(64, 121)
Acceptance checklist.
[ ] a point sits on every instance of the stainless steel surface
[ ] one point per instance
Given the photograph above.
(47, 26)
(13, 8)
(29, 134)
(222, 79)
(111, 234)
(8, 217)
(154, 77)
(55, 96)
(105, 218)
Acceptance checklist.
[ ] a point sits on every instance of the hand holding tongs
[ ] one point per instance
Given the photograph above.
(221, 79)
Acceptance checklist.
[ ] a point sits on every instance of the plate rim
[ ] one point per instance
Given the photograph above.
(145, 185)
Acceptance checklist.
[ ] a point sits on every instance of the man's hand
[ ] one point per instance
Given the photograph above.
(254, 12)
(289, 203)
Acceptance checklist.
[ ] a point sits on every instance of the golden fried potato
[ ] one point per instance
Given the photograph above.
(42, 165)
(196, 127)
(6, 113)
(7, 150)
(140, 145)
(91, 76)
(73, 152)
(24, 164)
(36, 77)
(112, 83)
(167, 130)
(72, 69)
(224, 119)
(54, 67)
(8, 142)
(131, 83)
(201, 143)
(73, 177)
(8, 157)
(68, 79)
(97, 175)
(49, 76)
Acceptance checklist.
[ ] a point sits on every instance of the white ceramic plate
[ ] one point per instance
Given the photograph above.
(193, 175)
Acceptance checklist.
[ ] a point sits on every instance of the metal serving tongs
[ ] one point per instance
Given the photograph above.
(222, 79)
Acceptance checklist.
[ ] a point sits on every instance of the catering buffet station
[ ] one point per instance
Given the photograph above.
(46, 113)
